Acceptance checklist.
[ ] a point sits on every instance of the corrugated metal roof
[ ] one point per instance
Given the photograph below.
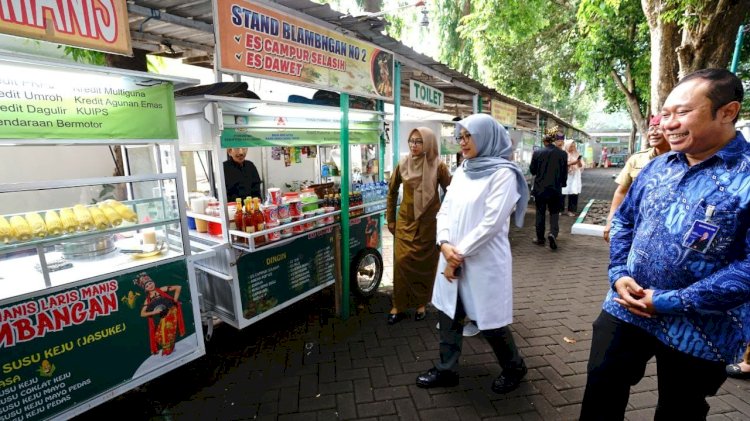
(178, 28)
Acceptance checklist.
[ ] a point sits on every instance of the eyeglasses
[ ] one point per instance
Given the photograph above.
(463, 137)
(559, 136)
(416, 142)
(654, 129)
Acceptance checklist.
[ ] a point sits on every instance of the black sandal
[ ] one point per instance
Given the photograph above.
(734, 371)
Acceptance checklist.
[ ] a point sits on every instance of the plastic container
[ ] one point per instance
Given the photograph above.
(275, 235)
(212, 209)
(294, 202)
(320, 222)
(309, 225)
(300, 228)
(271, 214)
(283, 211)
(329, 219)
(274, 195)
(191, 222)
(286, 232)
(309, 200)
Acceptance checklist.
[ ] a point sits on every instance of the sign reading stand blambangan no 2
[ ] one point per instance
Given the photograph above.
(40, 102)
(258, 41)
(94, 24)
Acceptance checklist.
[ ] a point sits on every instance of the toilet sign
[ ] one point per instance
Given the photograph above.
(425, 94)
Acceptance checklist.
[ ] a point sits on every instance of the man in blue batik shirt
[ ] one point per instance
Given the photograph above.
(688, 308)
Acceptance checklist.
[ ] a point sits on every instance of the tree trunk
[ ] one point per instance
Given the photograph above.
(709, 43)
(634, 107)
(665, 39)
(631, 139)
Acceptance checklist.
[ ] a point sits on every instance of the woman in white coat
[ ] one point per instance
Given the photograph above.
(474, 273)
(575, 168)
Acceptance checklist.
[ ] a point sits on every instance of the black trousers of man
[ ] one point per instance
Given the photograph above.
(619, 353)
(451, 340)
(547, 200)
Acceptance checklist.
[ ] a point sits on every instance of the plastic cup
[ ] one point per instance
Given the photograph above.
(201, 225)
(275, 194)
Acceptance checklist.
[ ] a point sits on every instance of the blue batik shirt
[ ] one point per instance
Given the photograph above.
(702, 297)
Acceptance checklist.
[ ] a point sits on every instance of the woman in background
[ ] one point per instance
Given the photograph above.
(575, 168)
(415, 256)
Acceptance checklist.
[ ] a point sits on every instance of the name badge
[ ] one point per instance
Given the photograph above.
(700, 236)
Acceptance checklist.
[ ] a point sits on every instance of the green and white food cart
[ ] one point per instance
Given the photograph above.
(89, 307)
(244, 283)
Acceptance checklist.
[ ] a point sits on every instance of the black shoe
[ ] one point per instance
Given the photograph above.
(419, 316)
(395, 318)
(552, 242)
(509, 381)
(435, 378)
(538, 242)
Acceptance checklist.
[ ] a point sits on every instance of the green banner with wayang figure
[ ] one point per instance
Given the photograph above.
(61, 349)
(47, 103)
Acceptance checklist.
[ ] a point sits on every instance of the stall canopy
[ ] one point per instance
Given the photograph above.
(179, 29)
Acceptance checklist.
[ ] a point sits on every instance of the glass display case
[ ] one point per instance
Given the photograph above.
(54, 231)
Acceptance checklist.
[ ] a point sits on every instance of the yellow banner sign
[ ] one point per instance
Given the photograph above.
(504, 113)
(258, 41)
(93, 24)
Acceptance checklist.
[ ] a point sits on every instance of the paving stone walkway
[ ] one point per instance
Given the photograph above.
(305, 364)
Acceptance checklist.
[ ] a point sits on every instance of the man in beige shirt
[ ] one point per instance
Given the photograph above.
(658, 145)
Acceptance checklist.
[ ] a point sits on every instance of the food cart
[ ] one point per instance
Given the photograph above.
(254, 274)
(97, 290)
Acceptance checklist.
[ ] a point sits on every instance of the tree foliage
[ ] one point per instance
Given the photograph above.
(687, 35)
(524, 48)
(613, 54)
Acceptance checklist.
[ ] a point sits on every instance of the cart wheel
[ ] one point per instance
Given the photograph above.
(366, 272)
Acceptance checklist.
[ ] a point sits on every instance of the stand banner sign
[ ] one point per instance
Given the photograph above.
(94, 24)
(47, 103)
(505, 114)
(59, 350)
(256, 40)
(272, 276)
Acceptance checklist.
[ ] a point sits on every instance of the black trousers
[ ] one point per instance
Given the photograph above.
(451, 340)
(543, 201)
(572, 202)
(619, 353)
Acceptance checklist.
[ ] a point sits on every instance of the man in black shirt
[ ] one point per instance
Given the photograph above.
(240, 176)
(549, 166)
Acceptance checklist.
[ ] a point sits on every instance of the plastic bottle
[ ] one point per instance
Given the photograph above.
(239, 222)
(259, 221)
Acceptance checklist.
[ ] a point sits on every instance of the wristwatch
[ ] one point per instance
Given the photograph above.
(440, 243)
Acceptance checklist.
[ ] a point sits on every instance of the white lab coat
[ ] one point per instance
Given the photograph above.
(475, 217)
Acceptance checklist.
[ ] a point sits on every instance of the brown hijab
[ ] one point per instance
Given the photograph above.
(420, 172)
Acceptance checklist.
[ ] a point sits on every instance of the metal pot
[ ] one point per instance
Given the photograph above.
(89, 247)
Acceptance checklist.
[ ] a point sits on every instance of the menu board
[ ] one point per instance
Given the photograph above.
(61, 349)
(272, 276)
(39, 102)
